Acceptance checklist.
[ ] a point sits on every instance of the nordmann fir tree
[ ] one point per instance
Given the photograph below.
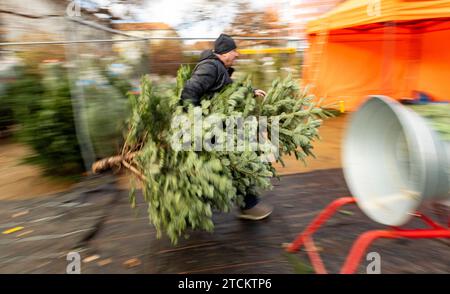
(184, 187)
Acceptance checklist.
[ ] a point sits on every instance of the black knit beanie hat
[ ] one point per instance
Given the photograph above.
(224, 44)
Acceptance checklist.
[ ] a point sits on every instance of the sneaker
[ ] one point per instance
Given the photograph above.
(258, 212)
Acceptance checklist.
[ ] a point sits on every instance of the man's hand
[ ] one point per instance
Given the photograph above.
(259, 93)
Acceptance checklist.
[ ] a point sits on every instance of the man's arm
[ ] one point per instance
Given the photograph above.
(200, 82)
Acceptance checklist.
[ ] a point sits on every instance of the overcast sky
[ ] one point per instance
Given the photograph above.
(175, 12)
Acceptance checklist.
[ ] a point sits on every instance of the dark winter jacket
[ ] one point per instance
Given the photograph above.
(209, 76)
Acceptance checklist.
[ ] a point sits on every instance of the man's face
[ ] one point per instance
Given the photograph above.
(229, 57)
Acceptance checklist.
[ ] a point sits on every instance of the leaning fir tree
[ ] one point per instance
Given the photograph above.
(184, 186)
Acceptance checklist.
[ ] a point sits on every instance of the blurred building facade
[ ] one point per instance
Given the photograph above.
(163, 56)
(132, 51)
(47, 20)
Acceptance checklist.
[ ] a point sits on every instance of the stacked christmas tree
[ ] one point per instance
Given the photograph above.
(183, 186)
(437, 115)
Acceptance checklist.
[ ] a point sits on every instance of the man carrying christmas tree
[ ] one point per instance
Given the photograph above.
(210, 75)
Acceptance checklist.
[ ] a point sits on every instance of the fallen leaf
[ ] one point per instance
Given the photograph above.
(345, 212)
(91, 258)
(132, 263)
(285, 245)
(25, 233)
(104, 262)
(20, 213)
(314, 249)
(288, 205)
(13, 230)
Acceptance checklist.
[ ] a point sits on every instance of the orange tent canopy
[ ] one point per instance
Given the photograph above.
(398, 48)
(353, 13)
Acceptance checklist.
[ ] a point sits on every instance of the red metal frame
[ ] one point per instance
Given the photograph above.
(364, 240)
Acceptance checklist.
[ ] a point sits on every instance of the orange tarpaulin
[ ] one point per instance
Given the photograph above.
(398, 49)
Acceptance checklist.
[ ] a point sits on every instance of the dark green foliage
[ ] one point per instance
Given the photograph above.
(47, 125)
(438, 115)
(20, 97)
(106, 112)
(183, 188)
(40, 104)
